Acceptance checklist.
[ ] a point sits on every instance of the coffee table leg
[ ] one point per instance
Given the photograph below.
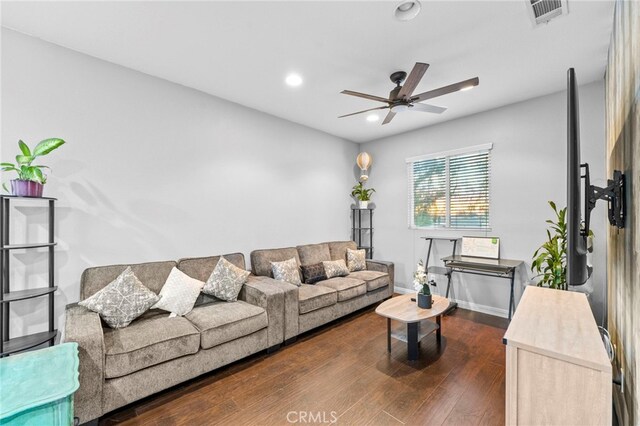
(439, 330)
(412, 341)
(389, 335)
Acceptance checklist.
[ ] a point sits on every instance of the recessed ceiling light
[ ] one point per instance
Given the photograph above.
(407, 10)
(293, 80)
(373, 118)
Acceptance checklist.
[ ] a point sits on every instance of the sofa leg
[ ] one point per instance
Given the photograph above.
(291, 340)
(273, 348)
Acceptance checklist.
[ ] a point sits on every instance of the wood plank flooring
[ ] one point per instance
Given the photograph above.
(342, 374)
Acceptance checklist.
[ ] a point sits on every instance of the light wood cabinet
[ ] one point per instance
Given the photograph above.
(558, 372)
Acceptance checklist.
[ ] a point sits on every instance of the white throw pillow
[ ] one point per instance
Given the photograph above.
(226, 281)
(356, 260)
(179, 293)
(287, 271)
(335, 268)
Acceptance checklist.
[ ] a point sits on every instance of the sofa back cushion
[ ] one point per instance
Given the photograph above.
(153, 275)
(338, 249)
(312, 254)
(201, 268)
(261, 259)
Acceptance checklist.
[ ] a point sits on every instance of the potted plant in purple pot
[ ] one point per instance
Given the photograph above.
(30, 179)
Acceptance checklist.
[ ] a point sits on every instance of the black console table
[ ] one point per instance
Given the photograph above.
(17, 344)
(499, 268)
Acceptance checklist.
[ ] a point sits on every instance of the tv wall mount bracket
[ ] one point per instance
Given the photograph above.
(613, 193)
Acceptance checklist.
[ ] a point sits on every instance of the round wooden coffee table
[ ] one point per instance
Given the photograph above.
(403, 309)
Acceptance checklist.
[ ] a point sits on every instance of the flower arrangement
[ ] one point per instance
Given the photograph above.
(421, 280)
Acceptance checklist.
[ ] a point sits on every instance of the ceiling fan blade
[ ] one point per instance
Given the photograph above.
(360, 112)
(364, 95)
(389, 117)
(446, 90)
(413, 80)
(427, 108)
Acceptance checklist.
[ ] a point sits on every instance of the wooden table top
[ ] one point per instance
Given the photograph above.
(401, 308)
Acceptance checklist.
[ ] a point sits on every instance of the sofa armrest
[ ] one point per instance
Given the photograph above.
(85, 328)
(383, 266)
(287, 317)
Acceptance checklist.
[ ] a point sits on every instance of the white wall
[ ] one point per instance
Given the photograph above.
(528, 168)
(153, 170)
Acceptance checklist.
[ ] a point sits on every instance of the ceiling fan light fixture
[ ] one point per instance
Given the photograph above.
(399, 108)
(372, 118)
(407, 10)
(464, 89)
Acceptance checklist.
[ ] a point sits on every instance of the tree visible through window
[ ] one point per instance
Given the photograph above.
(450, 190)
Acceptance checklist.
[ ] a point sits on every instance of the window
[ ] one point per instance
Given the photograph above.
(450, 189)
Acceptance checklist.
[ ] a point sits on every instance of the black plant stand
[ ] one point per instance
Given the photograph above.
(10, 345)
(357, 229)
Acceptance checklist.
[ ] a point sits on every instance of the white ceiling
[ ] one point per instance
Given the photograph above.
(242, 51)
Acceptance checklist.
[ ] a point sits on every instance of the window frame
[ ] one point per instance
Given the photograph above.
(447, 156)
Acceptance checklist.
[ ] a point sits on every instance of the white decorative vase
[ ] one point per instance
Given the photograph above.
(363, 204)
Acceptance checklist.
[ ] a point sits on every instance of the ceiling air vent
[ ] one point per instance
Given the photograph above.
(542, 11)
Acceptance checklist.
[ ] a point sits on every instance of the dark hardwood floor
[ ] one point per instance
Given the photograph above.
(342, 373)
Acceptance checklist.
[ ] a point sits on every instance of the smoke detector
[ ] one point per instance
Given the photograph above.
(543, 11)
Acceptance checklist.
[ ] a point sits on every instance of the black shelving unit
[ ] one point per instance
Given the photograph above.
(359, 232)
(10, 345)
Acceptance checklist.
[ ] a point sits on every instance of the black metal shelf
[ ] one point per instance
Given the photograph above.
(16, 197)
(14, 296)
(28, 341)
(26, 246)
(9, 345)
(357, 228)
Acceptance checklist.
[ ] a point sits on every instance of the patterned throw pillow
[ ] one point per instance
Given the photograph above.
(335, 268)
(356, 259)
(286, 271)
(179, 293)
(313, 273)
(122, 300)
(225, 281)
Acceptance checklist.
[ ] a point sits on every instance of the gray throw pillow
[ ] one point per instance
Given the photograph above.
(335, 268)
(356, 260)
(225, 281)
(122, 300)
(286, 271)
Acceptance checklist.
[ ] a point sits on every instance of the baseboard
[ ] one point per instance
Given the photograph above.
(503, 313)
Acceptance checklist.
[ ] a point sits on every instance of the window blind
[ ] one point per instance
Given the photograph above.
(450, 190)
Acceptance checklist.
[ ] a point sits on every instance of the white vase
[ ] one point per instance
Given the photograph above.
(363, 204)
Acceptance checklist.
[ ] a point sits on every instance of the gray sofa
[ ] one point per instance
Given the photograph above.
(156, 352)
(310, 306)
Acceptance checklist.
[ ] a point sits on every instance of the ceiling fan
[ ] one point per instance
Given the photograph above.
(401, 98)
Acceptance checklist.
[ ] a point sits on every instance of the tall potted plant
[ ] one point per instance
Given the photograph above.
(31, 178)
(362, 194)
(550, 259)
(421, 284)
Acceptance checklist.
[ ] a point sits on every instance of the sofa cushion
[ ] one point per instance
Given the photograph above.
(201, 268)
(335, 268)
(311, 254)
(146, 342)
(356, 260)
(338, 249)
(347, 288)
(153, 275)
(179, 293)
(261, 259)
(374, 279)
(287, 271)
(222, 322)
(312, 297)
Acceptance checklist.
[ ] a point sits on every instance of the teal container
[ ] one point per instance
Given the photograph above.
(37, 387)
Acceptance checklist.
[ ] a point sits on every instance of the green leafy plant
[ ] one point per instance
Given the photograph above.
(362, 193)
(24, 166)
(550, 259)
